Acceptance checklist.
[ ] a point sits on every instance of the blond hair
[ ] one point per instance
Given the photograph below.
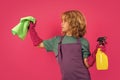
(76, 21)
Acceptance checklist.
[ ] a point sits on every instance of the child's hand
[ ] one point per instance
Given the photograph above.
(32, 25)
(103, 48)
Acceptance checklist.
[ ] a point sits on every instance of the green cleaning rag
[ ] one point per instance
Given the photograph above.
(21, 28)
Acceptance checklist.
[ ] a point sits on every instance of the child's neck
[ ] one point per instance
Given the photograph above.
(68, 34)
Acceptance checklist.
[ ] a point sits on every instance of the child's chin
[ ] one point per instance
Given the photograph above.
(63, 32)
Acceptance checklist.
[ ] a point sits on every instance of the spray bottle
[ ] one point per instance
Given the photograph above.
(101, 56)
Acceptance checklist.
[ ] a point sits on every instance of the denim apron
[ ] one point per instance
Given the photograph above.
(71, 61)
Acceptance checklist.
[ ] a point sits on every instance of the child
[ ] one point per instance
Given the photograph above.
(72, 49)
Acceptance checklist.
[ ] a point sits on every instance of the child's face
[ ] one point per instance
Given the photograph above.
(65, 26)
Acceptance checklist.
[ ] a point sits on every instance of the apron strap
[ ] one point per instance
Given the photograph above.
(61, 38)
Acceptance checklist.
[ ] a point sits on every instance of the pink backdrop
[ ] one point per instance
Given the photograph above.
(20, 60)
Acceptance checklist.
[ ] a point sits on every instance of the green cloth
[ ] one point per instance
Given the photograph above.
(21, 28)
(52, 44)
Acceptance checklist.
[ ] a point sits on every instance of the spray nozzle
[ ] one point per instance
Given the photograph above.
(101, 40)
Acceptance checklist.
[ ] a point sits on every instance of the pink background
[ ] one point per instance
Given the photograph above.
(20, 60)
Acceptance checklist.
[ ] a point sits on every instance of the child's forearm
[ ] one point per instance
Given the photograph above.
(34, 36)
(92, 58)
